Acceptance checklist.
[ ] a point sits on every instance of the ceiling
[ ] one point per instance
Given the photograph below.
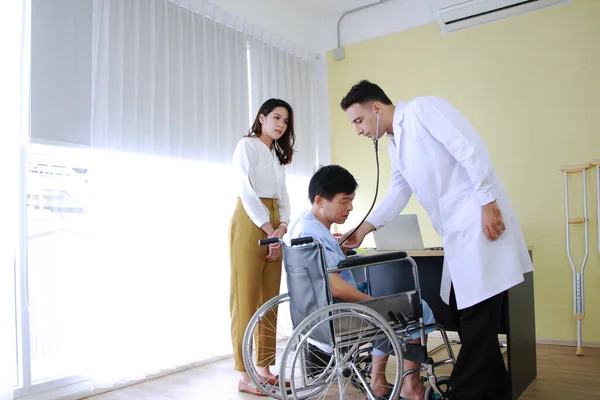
(331, 8)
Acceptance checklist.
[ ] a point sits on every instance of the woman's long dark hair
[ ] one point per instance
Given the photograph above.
(284, 146)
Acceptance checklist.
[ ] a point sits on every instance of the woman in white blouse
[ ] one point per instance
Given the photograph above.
(263, 210)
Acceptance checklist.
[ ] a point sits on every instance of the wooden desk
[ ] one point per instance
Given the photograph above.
(518, 320)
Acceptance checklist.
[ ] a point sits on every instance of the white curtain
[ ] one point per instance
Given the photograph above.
(170, 102)
(166, 81)
(13, 117)
(278, 73)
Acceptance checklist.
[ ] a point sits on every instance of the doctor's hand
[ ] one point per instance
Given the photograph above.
(491, 219)
(357, 238)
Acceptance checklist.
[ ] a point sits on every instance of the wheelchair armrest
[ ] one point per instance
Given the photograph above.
(371, 259)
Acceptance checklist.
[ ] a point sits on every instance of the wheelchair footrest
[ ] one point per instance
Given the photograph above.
(415, 353)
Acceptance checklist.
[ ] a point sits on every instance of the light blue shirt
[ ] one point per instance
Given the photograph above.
(308, 225)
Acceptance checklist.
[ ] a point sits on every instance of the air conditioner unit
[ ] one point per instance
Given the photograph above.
(453, 15)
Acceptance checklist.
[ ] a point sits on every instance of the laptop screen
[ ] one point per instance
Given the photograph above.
(401, 234)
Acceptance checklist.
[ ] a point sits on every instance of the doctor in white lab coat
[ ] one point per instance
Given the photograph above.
(439, 157)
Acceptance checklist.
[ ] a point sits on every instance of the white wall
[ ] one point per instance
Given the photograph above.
(301, 23)
(283, 18)
(380, 20)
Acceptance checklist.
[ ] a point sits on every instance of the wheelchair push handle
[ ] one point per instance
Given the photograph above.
(302, 240)
(265, 242)
(294, 242)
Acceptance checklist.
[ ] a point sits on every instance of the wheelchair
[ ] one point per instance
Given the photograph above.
(327, 350)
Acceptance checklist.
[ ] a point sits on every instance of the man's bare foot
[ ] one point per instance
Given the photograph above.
(381, 389)
(413, 389)
(247, 387)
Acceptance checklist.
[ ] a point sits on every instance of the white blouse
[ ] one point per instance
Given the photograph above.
(260, 175)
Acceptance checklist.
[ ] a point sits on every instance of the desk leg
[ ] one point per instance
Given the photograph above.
(522, 361)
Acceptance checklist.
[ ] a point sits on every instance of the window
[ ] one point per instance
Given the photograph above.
(58, 244)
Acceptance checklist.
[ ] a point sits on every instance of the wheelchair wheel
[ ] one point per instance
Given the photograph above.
(339, 336)
(276, 335)
(363, 362)
(317, 361)
(443, 383)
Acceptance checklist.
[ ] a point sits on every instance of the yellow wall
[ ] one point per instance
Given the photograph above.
(531, 86)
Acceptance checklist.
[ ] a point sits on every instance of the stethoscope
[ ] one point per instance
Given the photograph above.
(375, 143)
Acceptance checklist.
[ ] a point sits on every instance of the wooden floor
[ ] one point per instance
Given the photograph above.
(561, 375)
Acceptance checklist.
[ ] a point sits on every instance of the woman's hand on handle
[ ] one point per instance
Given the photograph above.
(275, 248)
(274, 252)
(279, 232)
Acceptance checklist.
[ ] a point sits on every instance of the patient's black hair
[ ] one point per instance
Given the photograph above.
(362, 93)
(330, 181)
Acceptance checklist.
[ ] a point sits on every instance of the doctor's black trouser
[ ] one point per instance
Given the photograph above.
(480, 372)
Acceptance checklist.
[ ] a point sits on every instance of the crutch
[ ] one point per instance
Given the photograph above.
(597, 164)
(577, 276)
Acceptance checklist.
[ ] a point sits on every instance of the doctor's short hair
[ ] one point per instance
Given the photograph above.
(364, 92)
(329, 181)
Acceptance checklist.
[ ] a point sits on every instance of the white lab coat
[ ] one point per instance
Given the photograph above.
(439, 157)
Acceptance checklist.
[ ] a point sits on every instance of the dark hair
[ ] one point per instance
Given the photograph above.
(330, 181)
(284, 146)
(364, 92)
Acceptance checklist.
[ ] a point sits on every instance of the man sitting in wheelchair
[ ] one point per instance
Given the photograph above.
(331, 192)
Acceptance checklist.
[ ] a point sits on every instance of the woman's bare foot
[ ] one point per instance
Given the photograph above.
(268, 377)
(266, 374)
(245, 385)
(250, 389)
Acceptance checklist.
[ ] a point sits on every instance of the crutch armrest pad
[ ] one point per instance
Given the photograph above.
(575, 167)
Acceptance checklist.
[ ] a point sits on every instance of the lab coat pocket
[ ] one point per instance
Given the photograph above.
(460, 214)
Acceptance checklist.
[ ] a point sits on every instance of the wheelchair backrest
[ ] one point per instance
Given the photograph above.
(306, 280)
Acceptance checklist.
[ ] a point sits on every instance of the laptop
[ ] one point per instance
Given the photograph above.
(401, 234)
